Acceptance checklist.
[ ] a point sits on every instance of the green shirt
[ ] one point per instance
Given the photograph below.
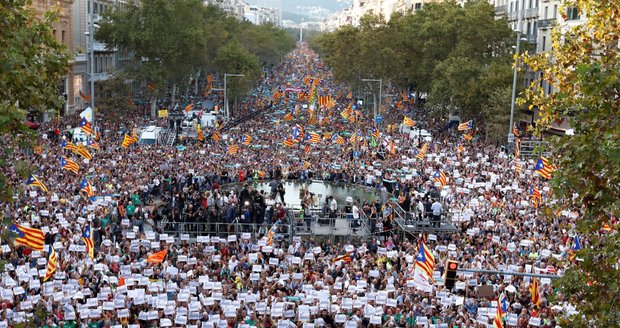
(130, 209)
(135, 199)
(70, 324)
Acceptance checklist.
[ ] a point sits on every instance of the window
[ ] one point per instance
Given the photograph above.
(555, 11)
(544, 43)
(62, 36)
(572, 13)
(54, 33)
(546, 12)
(418, 6)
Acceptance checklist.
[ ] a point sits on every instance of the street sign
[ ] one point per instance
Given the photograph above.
(379, 119)
(356, 154)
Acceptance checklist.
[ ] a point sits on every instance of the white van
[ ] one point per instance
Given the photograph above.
(78, 136)
(415, 133)
(150, 135)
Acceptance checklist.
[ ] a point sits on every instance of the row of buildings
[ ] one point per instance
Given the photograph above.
(72, 30)
(534, 18)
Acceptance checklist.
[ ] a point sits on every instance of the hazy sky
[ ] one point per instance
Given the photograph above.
(304, 6)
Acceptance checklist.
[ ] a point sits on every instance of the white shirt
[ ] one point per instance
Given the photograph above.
(436, 207)
(356, 212)
(334, 205)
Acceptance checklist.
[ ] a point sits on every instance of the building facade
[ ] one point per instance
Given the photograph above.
(62, 30)
(359, 8)
(106, 61)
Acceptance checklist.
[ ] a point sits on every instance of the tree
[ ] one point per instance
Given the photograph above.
(235, 59)
(32, 65)
(168, 37)
(175, 41)
(583, 67)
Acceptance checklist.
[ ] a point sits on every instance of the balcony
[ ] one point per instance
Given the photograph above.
(546, 23)
(531, 13)
(501, 10)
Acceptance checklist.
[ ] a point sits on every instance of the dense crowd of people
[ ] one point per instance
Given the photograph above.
(248, 280)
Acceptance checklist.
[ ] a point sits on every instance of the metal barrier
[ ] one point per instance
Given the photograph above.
(223, 230)
(320, 222)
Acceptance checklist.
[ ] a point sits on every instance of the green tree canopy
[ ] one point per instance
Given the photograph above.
(458, 55)
(32, 66)
(583, 68)
(173, 41)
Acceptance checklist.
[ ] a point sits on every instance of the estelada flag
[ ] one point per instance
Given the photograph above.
(157, 257)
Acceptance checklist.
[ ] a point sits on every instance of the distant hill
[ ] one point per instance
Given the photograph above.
(309, 10)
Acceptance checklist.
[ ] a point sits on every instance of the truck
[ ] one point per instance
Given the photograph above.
(150, 135)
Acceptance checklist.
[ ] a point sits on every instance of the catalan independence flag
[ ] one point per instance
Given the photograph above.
(246, 139)
(232, 149)
(86, 126)
(83, 151)
(68, 145)
(33, 181)
(375, 132)
(128, 140)
(87, 237)
(86, 187)
(313, 137)
(502, 309)
(536, 196)
(288, 143)
(420, 153)
(425, 260)
(90, 143)
(52, 263)
(408, 122)
(29, 237)
(288, 117)
(440, 177)
(466, 125)
(347, 257)
(534, 293)
(216, 135)
(271, 234)
(544, 168)
(70, 165)
(84, 96)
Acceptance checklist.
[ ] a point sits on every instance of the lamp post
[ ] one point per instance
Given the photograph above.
(226, 75)
(90, 58)
(374, 108)
(514, 81)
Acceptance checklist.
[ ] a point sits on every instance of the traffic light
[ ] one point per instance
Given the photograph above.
(450, 274)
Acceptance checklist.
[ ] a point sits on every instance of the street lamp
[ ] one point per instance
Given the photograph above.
(514, 81)
(90, 59)
(226, 75)
(374, 108)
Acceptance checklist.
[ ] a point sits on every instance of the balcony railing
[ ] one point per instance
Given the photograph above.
(531, 13)
(546, 23)
(501, 10)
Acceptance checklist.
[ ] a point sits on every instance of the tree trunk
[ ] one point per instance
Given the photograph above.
(154, 107)
(196, 84)
(374, 105)
(174, 92)
(235, 104)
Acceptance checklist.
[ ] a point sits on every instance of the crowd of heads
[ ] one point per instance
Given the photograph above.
(244, 279)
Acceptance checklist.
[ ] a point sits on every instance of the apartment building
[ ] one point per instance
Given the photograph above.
(62, 30)
(359, 8)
